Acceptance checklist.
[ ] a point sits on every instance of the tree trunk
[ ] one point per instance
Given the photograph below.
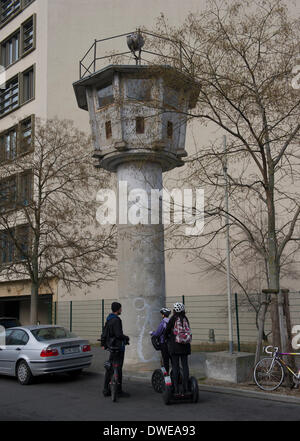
(276, 329)
(261, 324)
(34, 303)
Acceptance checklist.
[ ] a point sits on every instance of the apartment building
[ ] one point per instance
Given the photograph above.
(41, 43)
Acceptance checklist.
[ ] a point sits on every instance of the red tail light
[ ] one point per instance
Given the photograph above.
(86, 348)
(49, 353)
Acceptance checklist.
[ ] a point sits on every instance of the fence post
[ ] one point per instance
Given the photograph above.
(237, 322)
(71, 314)
(102, 314)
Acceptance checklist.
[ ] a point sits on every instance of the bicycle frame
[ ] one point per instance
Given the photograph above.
(277, 356)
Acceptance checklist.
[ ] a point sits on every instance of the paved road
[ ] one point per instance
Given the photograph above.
(61, 398)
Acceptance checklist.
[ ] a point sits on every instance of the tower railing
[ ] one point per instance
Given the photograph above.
(89, 64)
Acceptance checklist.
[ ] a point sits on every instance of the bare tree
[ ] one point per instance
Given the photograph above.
(48, 212)
(242, 54)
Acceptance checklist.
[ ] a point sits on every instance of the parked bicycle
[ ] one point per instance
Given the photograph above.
(269, 372)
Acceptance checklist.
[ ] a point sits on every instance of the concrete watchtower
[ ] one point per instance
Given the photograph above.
(138, 120)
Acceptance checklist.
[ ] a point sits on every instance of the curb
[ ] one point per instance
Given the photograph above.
(249, 394)
(224, 390)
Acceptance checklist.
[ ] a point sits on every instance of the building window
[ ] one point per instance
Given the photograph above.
(17, 189)
(14, 244)
(22, 234)
(7, 246)
(20, 43)
(105, 96)
(28, 85)
(8, 145)
(9, 97)
(108, 130)
(25, 144)
(140, 124)
(8, 193)
(10, 8)
(17, 140)
(25, 189)
(170, 130)
(10, 52)
(19, 90)
(28, 35)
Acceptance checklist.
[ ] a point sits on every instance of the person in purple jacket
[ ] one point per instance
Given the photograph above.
(165, 312)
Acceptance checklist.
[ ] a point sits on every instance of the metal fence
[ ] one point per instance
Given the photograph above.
(205, 312)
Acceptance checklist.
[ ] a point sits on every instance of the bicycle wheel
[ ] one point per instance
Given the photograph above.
(267, 376)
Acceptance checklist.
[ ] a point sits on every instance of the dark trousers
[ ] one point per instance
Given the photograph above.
(176, 371)
(118, 358)
(165, 356)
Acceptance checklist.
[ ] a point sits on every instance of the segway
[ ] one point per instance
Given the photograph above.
(169, 395)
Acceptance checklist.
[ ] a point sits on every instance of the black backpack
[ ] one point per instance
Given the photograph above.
(104, 336)
(156, 342)
(108, 341)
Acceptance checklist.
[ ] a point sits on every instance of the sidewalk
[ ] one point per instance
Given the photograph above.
(197, 369)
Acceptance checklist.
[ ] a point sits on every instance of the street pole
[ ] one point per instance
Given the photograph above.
(228, 249)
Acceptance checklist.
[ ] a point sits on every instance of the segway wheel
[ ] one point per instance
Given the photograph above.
(113, 389)
(194, 389)
(158, 381)
(167, 394)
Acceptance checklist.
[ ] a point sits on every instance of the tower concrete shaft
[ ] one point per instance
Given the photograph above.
(141, 265)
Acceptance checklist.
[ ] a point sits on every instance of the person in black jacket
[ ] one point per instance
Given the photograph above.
(113, 338)
(178, 351)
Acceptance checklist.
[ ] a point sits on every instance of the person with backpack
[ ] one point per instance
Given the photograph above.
(113, 339)
(165, 312)
(178, 335)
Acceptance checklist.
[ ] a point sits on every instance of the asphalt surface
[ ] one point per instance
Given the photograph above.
(60, 398)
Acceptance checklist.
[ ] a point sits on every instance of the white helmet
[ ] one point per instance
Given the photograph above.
(178, 307)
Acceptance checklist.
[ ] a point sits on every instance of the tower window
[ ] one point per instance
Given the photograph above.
(105, 96)
(108, 130)
(140, 124)
(139, 90)
(170, 130)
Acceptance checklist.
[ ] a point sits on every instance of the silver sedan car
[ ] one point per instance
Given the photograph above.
(30, 351)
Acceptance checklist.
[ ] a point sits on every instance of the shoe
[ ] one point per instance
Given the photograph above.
(107, 393)
(123, 394)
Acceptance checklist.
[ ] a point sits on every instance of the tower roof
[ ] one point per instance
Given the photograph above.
(173, 77)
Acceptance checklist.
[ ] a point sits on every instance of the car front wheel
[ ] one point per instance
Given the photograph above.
(24, 374)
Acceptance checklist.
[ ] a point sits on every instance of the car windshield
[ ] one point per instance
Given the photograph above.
(45, 334)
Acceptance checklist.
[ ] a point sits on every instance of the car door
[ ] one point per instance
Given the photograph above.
(16, 340)
(4, 360)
